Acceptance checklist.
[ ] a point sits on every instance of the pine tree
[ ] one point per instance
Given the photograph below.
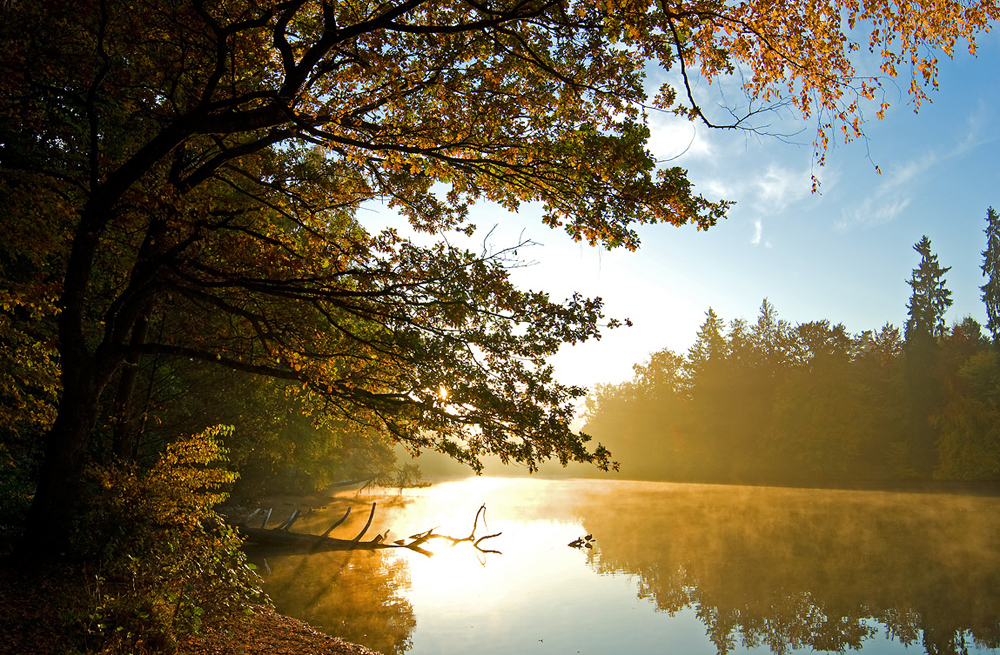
(769, 336)
(991, 269)
(928, 303)
(930, 299)
(710, 344)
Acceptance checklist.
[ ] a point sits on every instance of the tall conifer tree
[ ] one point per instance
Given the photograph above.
(930, 298)
(928, 303)
(991, 269)
(710, 344)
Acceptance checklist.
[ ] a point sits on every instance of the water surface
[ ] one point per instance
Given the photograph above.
(674, 568)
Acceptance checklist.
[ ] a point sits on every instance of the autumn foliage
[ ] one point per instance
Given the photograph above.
(181, 182)
(159, 563)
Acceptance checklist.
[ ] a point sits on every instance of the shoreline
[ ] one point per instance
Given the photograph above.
(37, 603)
(269, 633)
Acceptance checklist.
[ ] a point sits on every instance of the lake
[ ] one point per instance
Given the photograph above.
(678, 568)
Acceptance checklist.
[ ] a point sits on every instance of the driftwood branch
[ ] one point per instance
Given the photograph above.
(472, 535)
(425, 536)
(283, 538)
(367, 525)
(291, 519)
(252, 514)
(342, 519)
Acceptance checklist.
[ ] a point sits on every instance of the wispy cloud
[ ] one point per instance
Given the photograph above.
(778, 187)
(769, 193)
(671, 138)
(715, 187)
(891, 196)
(904, 175)
(904, 181)
(979, 129)
(872, 212)
(766, 193)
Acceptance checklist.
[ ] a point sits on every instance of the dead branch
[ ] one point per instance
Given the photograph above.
(291, 519)
(424, 536)
(342, 519)
(281, 537)
(367, 525)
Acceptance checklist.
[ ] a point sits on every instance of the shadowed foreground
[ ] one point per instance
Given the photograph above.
(36, 618)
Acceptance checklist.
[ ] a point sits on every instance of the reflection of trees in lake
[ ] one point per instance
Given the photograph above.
(352, 595)
(789, 568)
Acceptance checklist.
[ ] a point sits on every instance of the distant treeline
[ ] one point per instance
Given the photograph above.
(769, 402)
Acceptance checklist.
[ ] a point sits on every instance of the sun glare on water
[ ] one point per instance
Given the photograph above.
(457, 573)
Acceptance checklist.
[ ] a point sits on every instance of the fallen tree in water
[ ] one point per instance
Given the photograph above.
(280, 536)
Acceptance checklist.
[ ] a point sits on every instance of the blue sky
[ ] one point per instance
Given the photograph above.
(843, 254)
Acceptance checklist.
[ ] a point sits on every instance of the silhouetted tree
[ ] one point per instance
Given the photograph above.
(878, 366)
(769, 336)
(930, 298)
(926, 308)
(767, 402)
(991, 269)
(641, 416)
(709, 377)
(763, 402)
(814, 432)
(709, 346)
(969, 419)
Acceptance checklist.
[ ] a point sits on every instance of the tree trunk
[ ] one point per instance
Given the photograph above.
(125, 441)
(57, 500)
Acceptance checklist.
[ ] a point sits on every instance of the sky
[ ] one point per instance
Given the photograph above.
(843, 254)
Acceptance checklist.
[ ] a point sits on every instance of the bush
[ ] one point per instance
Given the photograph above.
(166, 562)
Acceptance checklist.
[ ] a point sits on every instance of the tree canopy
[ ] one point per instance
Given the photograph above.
(806, 404)
(181, 180)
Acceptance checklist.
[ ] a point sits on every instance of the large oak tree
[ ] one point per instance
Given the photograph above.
(181, 177)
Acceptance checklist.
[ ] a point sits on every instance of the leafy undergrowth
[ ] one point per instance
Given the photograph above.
(152, 569)
(44, 612)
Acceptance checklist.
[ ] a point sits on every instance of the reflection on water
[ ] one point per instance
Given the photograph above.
(681, 568)
(802, 568)
(350, 595)
(354, 595)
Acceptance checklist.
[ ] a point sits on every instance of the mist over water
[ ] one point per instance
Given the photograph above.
(674, 567)
(806, 568)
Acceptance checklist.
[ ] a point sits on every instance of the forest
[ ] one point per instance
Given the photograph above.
(771, 402)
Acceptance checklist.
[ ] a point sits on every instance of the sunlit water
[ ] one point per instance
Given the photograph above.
(674, 569)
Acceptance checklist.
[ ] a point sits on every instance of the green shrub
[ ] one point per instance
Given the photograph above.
(166, 562)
